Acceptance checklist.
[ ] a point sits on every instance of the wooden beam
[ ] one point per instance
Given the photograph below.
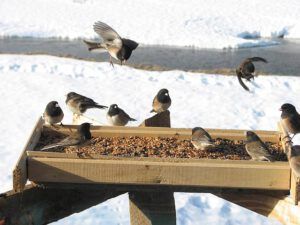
(20, 170)
(278, 207)
(41, 206)
(214, 173)
(181, 133)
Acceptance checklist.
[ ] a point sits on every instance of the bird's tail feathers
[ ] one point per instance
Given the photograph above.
(241, 82)
(92, 45)
(47, 147)
(131, 119)
(258, 59)
(152, 111)
(100, 106)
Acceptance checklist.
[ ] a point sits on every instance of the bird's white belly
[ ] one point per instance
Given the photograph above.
(115, 120)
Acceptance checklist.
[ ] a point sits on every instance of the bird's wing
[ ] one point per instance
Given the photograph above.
(123, 114)
(202, 136)
(260, 149)
(130, 43)
(257, 59)
(68, 141)
(239, 76)
(109, 35)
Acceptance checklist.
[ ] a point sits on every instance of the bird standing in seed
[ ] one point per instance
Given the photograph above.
(290, 118)
(78, 139)
(246, 70)
(161, 101)
(117, 47)
(256, 148)
(117, 116)
(53, 114)
(201, 139)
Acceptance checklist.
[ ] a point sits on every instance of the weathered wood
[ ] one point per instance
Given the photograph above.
(180, 133)
(287, 146)
(20, 170)
(276, 206)
(153, 208)
(158, 120)
(235, 174)
(41, 206)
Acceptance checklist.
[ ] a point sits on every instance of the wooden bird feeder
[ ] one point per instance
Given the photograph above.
(269, 189)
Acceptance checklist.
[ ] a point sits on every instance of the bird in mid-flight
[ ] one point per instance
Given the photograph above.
(117, 47)
(78, 139)
(246, 70)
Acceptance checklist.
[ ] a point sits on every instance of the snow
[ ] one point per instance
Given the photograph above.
(28, 83)
(198, 23)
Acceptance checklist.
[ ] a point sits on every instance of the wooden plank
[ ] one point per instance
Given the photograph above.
(20, 170)
(278, 207)
(181, 133)
(43, 206)
(274, 176)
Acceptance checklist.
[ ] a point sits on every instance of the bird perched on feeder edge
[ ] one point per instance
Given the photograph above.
(117, 116)
(161, 101)
(246, 70)
(53, 114)
(117, 47)
(78, 139)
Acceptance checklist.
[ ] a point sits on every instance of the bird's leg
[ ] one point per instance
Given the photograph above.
(121, 62)
(111, 62)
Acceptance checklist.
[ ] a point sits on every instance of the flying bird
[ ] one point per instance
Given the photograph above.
(201, 139)
(53, 114)
(246, 70)
(256, 148)
(117, 116)
(78, 104)
(290, 118)
(78, 139)
(161, 101)
(117, 47)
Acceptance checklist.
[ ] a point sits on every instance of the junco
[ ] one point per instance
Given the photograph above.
(80, 138)
(78, 104)
(246, 70)
(117, 116)
(53, 114)
(117, 47)
(256, 148)
(201, 139)
(161, 102)
(294, 159)
(290, 118)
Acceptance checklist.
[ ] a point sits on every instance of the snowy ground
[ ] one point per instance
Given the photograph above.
(28, 83)
(199, 23)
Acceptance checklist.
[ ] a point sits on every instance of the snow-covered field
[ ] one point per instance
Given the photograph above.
(28, 83)
(199, 23)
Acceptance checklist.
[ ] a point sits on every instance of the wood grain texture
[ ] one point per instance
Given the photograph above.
(213, 173)
(20, 170)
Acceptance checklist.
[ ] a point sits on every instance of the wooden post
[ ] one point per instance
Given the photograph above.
(153, 208)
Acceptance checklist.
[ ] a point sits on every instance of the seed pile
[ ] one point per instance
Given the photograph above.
(158, 147)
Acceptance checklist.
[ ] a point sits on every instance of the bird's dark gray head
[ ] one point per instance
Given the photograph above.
(288, 108)
(163, 96)
(71, 95)
(84, 129)
(198, 129)
(124, 54)
(113, 110)
(53, 108)
(251, 136)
